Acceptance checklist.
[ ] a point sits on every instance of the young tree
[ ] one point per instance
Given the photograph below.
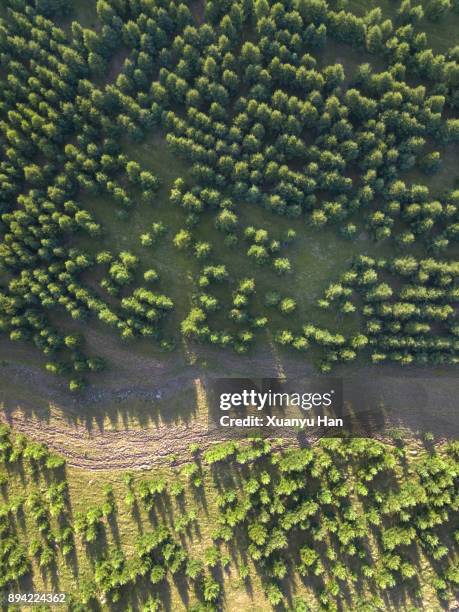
(434, 9)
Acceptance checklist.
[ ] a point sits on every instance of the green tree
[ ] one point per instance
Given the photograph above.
(434, 9)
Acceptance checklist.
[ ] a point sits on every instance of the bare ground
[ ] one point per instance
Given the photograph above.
(125, 449)
(146, 408)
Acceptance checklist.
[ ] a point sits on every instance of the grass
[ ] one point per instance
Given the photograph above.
(82, 11)
(85, 490)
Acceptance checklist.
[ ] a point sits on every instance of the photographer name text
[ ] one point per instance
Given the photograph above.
(275, 421)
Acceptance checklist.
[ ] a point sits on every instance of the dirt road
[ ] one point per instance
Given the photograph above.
(145, 409)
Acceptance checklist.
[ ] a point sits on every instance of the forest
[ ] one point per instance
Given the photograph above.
(347, 524)
(205, 181)
(273, 143)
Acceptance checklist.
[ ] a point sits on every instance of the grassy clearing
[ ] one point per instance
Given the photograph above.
(317, 256)
(84, 11)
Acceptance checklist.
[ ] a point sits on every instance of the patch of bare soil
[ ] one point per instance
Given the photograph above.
(145, 409)
(125, 449)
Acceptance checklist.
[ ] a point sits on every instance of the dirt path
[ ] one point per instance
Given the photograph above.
(127, 449)
(119, 423)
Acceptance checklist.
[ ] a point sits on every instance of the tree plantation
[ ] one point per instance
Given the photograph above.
(356, 523)
(224, 188)
(266, 127)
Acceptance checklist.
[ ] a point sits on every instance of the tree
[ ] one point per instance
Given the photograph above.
(194, 569)
(318, 218)
(76, 385)
(150, 276)
(258, 533)
(430, 163)
(314, 11)
(146, 240)
(226, 221)
(157, 574)
(202, 250)
(182, 239)
(274, 594)
(287, 305)
(211, 589)
(409, 14)
(436, 8)
(282, 265)
(451, 130)
(374, 39)
(258, 253)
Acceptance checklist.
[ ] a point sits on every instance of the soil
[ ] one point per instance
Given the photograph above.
(146, 410)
